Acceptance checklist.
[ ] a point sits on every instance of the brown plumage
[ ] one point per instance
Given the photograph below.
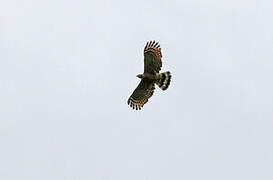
(151, 75)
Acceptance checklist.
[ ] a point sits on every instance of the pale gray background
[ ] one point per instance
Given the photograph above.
(68, 67)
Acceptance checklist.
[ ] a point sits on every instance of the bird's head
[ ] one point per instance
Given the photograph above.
(140, 76)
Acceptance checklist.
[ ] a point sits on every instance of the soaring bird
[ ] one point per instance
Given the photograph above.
(150, 77)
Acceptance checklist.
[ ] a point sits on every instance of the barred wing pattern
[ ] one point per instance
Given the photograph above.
(141, 94)
(152, 58)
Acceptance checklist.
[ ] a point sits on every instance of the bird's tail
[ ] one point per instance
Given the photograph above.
(164, 80)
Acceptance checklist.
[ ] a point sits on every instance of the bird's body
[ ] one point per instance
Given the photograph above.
(151, 76)
(148, 76)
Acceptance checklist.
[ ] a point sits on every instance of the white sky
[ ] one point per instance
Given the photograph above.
(67, 69)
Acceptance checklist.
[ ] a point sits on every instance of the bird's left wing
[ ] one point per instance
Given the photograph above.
(141, 94)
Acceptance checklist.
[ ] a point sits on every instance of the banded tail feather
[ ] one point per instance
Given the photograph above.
(164, 80)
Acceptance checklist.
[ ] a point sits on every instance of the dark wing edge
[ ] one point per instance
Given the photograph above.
(152, 57)
(141, 94)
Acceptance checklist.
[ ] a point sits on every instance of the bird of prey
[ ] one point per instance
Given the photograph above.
(150, 77)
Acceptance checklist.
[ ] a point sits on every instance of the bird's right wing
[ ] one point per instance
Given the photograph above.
(141, 94)
(152, 58)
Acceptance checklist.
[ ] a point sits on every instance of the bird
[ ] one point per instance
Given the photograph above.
(150, 77)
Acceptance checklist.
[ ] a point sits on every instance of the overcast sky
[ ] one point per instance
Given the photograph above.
(68, 67)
